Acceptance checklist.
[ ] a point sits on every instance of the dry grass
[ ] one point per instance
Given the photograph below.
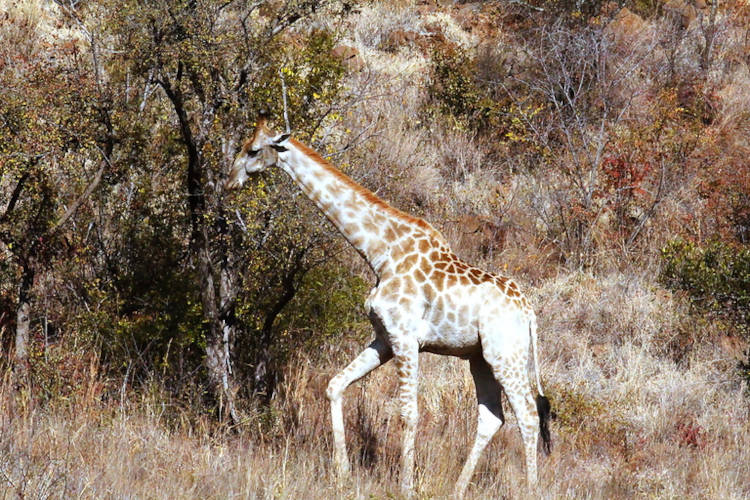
(40, 17)
(631, 422)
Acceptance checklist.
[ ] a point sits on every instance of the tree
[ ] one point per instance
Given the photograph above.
(215, 64)
(114, 142)
(51, 119)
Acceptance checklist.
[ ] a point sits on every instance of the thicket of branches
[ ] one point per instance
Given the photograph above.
(118, 126)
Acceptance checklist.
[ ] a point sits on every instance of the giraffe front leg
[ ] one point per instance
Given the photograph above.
(407, 362)
(375, 355)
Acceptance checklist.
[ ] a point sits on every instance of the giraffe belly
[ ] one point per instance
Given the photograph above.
(464, 351)
(454, 320)
(451, 339)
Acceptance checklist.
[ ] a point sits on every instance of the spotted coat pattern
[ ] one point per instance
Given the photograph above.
(426, 299)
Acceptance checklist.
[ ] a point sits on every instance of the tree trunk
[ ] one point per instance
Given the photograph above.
(220, 332)
(219, 339)
(264, 378)
(23, 321)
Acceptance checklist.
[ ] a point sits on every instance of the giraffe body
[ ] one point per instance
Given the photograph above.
(426, 300)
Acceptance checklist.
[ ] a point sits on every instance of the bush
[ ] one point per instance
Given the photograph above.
(716, 278)
(455, 92)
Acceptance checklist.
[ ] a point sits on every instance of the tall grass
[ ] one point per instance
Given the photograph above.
(633, 420)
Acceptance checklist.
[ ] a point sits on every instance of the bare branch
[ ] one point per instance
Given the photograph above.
(86, 193)
(19, 187)
(283, 97)
(14, 197)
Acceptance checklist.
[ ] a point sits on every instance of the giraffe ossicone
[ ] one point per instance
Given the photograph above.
(426, 300)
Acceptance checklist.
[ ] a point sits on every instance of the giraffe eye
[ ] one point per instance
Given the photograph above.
(253, 152)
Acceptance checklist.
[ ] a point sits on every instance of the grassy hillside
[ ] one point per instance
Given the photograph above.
(596, 153)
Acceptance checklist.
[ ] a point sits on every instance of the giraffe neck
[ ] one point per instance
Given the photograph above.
(373, 227)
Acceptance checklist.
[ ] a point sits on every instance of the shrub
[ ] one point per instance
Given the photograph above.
(455, 92)
(716, 278)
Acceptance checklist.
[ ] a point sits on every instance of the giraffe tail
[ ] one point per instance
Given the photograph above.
(543, 406)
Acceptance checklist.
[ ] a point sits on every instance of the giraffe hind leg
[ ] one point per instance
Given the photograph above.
(489, 419)
(518, 389)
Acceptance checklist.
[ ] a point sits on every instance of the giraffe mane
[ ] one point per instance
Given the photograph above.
(366, 193)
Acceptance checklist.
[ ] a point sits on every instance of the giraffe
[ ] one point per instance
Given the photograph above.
(426, 299)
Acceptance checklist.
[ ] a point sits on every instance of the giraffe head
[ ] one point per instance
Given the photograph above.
(259, 152)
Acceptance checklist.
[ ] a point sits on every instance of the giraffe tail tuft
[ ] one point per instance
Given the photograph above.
(544, 409)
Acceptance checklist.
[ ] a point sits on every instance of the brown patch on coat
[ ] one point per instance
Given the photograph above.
(390, 234)
(407, 263)
(378, 247)
(424, 245)
(451, 280)
(420, 276)
(394, 284)
(437, 278)
(369, 227)
(429, 292)
(425, 266)
(409, 288)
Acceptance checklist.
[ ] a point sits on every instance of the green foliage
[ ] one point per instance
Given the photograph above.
(574, 409)
(715, 277)
(312, 78)
(455, 92)
(204, 69)
(329, 304)
(452, 84)
(158, 308)
(326, 304)
(147, 316)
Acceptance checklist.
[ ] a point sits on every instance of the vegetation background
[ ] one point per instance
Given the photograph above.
(164, 339)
